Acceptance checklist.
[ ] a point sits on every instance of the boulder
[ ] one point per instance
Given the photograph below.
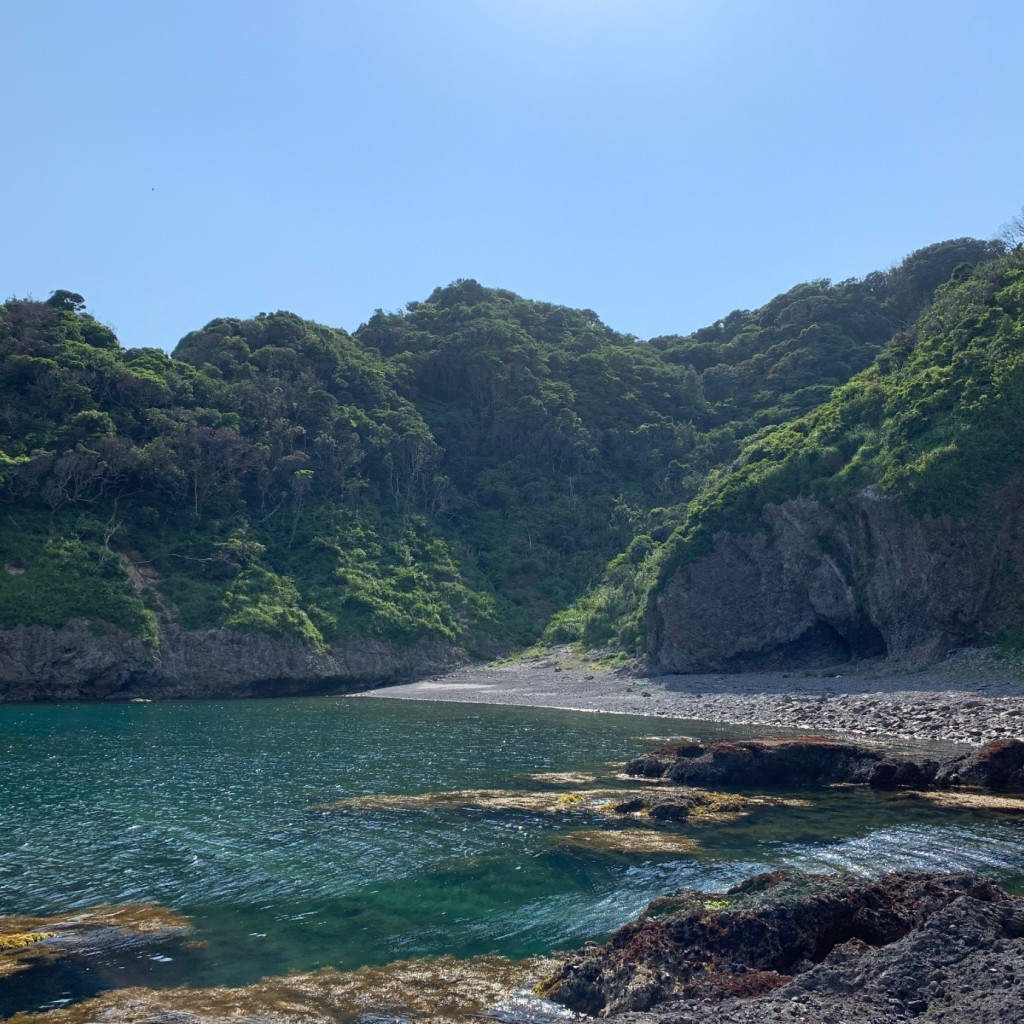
(783, 763)
(754, 939)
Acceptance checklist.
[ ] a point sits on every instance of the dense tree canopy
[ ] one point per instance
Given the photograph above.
(465, 468)
(935, 418)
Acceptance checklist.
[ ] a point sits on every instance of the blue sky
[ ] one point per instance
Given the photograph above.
(659, 161)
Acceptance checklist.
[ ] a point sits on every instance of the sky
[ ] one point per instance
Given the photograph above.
(661, 162)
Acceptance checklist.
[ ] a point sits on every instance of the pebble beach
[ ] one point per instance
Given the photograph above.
(974, 696)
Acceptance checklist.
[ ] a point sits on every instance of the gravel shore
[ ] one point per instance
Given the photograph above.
(972, 697)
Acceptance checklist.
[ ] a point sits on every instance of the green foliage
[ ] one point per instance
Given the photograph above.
(929, 419)
(546, 420)
(771, 364)
(213, 467)
(609, 614)
(56, 571)
(260, 601)
(465, 469)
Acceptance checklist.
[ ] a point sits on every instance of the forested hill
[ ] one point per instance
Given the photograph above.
(884, 521)
(461, 470)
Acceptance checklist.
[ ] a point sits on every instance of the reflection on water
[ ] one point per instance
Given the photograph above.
(206, 807)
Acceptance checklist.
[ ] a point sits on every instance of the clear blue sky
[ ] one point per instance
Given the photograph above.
(659, 161)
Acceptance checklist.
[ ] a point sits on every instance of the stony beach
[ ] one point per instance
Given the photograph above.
(974, 696)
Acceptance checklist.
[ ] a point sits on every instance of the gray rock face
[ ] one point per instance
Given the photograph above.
(820, 584)
(74, 663)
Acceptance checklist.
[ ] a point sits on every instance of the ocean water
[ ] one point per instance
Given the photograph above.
(211, 809)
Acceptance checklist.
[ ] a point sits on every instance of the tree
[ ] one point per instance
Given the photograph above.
(1011, 234)
(70, 302)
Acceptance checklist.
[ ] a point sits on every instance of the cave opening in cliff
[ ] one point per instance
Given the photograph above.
(824, 644)
(866, 642)
(819, 646)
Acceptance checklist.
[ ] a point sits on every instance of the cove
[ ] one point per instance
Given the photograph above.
(211, 809)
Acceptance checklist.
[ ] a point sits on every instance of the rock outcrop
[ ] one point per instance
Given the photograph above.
(838, 948)
(821, 584)
(77, 663)
(796, 763)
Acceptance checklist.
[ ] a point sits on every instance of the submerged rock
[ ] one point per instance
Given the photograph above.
(562, 778)
(643, 805)
(629, 841)
(984, 802)
(589, 801)
(440, 990)
(28, 941)
(894, 944)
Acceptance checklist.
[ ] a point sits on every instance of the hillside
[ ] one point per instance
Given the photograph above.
(885, 521)
(444, 480)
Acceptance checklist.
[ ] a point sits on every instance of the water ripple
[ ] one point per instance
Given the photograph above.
(205, 807)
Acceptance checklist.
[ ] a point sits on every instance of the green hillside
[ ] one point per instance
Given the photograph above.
(266, 478)
(936, 419)
(465, 469)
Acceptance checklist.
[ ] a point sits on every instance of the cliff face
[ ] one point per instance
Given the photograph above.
(820, 584)
(74, 663)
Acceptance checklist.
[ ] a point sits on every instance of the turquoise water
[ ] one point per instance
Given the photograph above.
(207, 808)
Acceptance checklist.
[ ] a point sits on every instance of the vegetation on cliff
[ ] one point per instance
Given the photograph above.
(463, 469)
(934, 419)
(266, 478)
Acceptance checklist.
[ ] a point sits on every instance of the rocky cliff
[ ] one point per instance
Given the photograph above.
(823, 583)
(78, 663)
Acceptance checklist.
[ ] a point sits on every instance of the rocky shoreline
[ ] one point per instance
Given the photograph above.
(793, 947)
(975, 696)
(78, 663)
(784, 947)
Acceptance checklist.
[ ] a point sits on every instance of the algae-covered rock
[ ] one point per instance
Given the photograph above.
(981, 802)
(26, 941)
(440, 990)
(590, 801)
(756, 937)
(562, 778)
(639, 804)
(629, 841)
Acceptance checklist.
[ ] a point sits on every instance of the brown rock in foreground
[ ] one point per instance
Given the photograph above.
(998, 766)
(933, 946)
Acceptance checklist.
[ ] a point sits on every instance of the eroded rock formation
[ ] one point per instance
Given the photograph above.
(813, 948)
(820, 584)
(789, 763)
(74, 663)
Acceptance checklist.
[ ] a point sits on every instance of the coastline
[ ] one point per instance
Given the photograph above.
(974, 696)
